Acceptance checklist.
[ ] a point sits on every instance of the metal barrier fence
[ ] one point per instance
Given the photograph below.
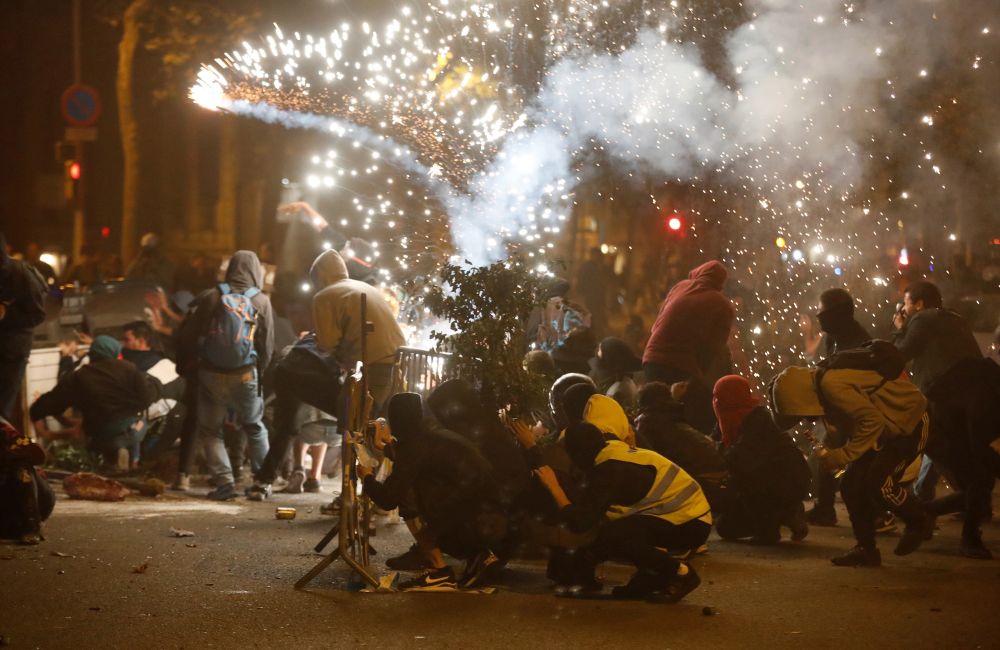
(420, 371)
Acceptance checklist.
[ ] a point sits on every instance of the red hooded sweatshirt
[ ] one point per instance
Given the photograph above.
(694, 322)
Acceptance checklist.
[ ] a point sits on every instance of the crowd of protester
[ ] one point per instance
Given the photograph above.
(640, 454)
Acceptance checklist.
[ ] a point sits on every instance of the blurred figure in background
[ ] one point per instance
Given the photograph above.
(22, 307)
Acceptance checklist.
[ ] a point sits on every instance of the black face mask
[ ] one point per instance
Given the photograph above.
(832, 320)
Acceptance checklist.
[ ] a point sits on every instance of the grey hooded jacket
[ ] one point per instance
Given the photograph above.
(244, 271)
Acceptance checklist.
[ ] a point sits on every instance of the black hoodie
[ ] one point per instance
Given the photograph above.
(22, 292)
(445, 472)
(244, 271)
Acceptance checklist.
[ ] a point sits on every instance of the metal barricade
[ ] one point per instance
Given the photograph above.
(420, 371)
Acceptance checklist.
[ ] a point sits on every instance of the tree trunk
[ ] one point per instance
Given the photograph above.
(229, 164)
(128, 126)
(192, 187)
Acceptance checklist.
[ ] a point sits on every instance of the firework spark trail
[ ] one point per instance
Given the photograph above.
(795, 118)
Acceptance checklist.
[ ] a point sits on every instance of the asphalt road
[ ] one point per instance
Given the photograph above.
(111, 576)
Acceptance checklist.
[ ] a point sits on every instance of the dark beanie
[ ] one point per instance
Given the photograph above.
(583, 442)
(405, 413)
(575, 401)
(836, 301)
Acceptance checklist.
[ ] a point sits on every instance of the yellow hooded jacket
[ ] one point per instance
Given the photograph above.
(876, 408)
(337, 315)
(607, 415)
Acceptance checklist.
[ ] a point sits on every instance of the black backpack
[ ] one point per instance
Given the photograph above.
(881, 356)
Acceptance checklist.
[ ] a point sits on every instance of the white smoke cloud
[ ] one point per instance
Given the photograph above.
(808, 79)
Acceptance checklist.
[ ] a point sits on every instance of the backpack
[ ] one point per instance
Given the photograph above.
(881, 356)
(228, 343)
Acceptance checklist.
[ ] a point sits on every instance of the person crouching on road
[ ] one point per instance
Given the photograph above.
(769, 476)
(452, 488)
(886, 423)
(111, 393)
(642, 504)
(26, 499)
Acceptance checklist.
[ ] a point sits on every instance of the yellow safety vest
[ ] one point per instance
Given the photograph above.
(674, 496)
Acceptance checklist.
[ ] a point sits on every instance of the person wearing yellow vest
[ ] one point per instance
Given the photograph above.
(645, 508)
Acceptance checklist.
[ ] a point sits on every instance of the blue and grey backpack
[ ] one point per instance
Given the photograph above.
(228, 343)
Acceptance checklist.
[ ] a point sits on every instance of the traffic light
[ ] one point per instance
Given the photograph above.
(71, 175)
(675, 225)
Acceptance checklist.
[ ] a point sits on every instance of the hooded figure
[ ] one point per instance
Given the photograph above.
(836, 320)
(244, 271)
(642, 505)
(109, 392)
(582, 404)
(768, 475)
(22, 307)
(451, 482)
(337, 318)
(732, 402)
(457, 407)
(233, 391)
(694, 322)
(885, 423)
(688, 341)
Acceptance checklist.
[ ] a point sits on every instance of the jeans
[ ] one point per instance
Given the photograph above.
(123, 433)
(217, 394)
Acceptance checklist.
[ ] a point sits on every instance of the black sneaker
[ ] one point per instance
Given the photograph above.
(679, 586)
(974, 549)
(434, 580)
(224, 492)
(412, 560)
(480, 569)
(642, 585)
(858, 556)
(799, 525)
(913, 536)
(312, 486)
(822, 517)
(258, 492)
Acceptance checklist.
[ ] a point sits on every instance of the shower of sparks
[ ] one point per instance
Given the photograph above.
(801, 134)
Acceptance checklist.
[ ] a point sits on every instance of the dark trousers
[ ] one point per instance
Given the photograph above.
(286, 407)
(11, 378)
(871, 485)
(827, 484)
(640, 540)
(189, 425)
(749, 517)
(698, 400)
(964, 423)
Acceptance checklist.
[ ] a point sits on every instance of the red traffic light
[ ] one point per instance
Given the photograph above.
(74, 170)
(675, 223)
(105, 232)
